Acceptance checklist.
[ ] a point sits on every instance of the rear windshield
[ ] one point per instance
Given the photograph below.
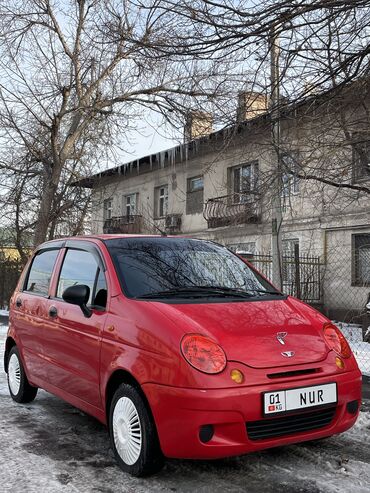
(148, 266)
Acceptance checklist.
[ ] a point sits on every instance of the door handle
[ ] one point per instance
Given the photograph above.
(18, 302)
(53, 312)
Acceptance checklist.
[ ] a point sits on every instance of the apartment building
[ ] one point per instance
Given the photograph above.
(218, 185)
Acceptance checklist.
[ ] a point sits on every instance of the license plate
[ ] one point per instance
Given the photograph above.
(299, 398)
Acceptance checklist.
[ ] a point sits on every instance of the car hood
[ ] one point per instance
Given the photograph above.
(247, 331)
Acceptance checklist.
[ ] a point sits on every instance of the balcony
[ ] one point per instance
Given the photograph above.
(229, 210)
(130, 224)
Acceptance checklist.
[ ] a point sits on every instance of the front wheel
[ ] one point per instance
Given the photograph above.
(133, 433)
(19, 387)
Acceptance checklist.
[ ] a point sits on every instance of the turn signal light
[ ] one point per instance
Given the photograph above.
(339, 362)
(336, 340)
(237, 376)
(203, 354)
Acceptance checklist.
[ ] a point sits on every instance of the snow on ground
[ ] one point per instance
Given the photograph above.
(49, 446)
(4, 313)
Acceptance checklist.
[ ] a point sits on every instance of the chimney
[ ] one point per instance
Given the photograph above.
(198, 124)
(250, 105)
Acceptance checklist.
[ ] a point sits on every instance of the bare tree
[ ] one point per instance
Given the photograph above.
(74, 78)
(324, 49)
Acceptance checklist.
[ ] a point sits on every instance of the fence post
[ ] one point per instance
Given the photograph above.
(297, 271)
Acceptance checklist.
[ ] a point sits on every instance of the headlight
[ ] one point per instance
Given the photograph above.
(336, 340)
(203, 354)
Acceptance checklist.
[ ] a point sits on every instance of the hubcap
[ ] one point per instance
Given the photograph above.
(127, 430)
(14, 374)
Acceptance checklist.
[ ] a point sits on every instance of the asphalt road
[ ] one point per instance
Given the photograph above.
(49, 446)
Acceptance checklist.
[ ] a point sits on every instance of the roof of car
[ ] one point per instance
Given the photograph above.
(101, 237)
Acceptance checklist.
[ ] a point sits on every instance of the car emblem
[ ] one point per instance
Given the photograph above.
(280, 336)
(288, 354)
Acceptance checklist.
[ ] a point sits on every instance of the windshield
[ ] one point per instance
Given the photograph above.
(167, 266)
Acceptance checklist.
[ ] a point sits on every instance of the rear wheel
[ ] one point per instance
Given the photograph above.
(19, 387)
(133, 433)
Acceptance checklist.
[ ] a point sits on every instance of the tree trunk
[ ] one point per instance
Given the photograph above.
(50, 186)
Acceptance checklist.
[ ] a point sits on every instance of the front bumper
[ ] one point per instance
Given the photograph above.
(180, 413)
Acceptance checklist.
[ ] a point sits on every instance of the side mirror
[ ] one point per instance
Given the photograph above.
(78, 295)
(367, 306)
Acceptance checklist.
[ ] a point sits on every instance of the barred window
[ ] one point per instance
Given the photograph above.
(361, 259)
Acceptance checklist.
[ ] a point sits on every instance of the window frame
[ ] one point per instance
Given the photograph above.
(100, 267)
(192, 178)
(198, 193)
(107, 211)
(237, 196)
(125, 205)
(53, 272)
(157, 201)
(293, 182)
(359, 171)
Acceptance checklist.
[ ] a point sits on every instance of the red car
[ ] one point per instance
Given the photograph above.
(181, 347)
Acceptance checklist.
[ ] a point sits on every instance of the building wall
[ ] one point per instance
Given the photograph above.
(320, 217)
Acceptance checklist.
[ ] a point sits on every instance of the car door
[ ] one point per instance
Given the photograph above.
(30, 309)
(72, 341)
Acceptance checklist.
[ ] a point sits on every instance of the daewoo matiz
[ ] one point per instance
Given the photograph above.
(181, 347)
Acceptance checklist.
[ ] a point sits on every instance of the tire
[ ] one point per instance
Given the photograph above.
(133, 433)
(19, 387)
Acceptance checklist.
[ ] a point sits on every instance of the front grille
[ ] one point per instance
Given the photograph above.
(287, 425)
(294, 373)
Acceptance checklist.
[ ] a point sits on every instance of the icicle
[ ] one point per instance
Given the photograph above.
(172, 156)
(138, 165)
(181, 148)
(162, 158)
(150, 162)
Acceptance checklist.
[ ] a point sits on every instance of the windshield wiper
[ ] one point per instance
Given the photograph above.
(265, 291)
(198, 290)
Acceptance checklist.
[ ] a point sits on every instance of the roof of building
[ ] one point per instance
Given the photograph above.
(189, 149)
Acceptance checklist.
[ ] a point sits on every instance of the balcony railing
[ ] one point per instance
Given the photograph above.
(232, 209)
(130, 224)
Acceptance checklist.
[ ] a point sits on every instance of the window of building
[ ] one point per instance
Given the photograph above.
(130, 204)
(40, 273)
(290, 181)
(195, 195)
(244, 181)
(161, 201)
(80, 267)
(289, 246)
(108, 207)
(361, 155)
(361, 259)
(195, 184)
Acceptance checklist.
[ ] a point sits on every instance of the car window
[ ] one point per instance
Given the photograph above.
(152, 265)
(79, 267)
(39, 276)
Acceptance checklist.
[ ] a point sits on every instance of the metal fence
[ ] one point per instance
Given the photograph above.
(302, 276)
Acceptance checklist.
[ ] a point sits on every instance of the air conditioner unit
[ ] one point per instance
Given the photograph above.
(173, 222)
